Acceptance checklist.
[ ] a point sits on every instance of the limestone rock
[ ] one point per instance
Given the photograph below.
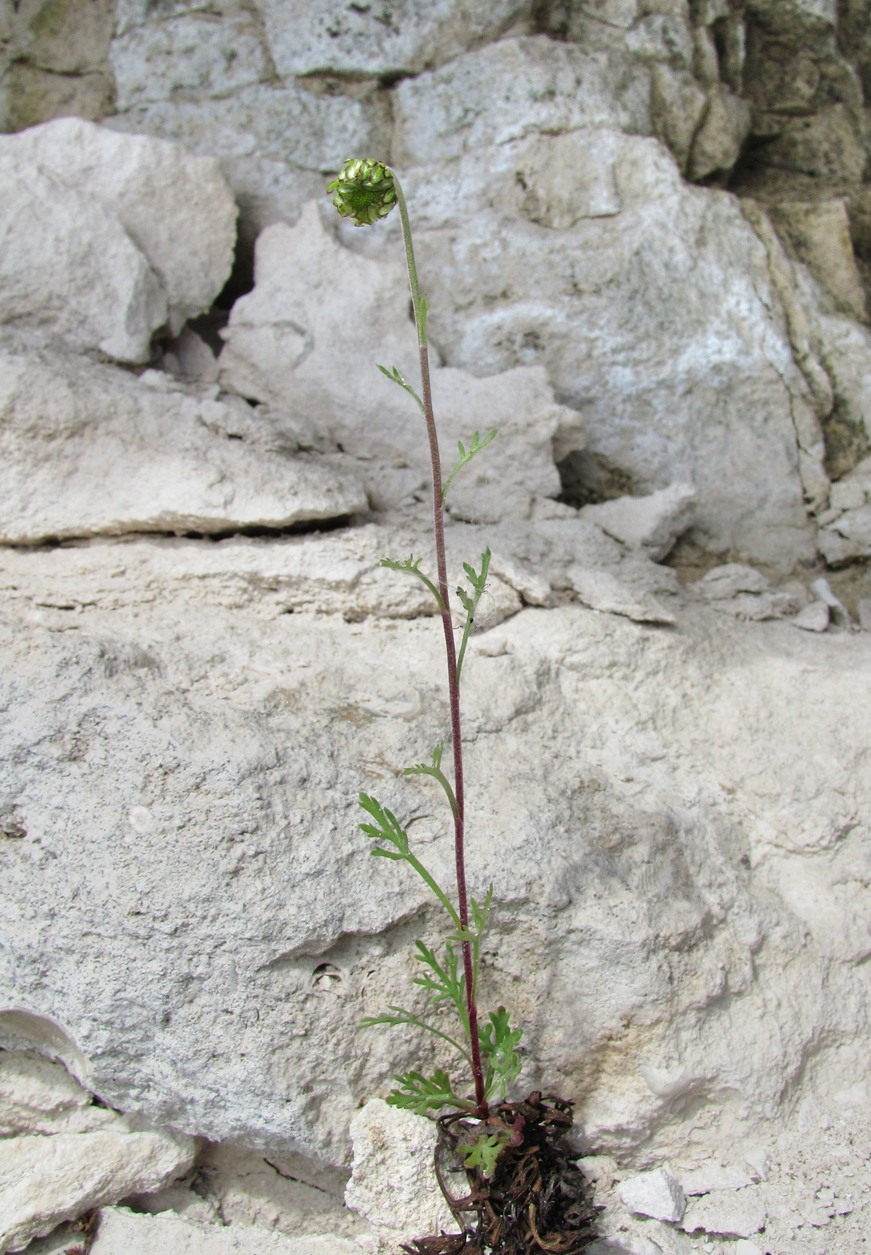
(285, 346)
(195, 53)
(845, 533)
(341, 39)
(659, 323)
(509, 89)
(282, 122)
(45, 1180)
(656, 1194)
(651, 524)
(734, 1214)
(39, 1096)
(175, 211)
(123, 1231)
(392, 1183)
(820, 234)
(165, 460)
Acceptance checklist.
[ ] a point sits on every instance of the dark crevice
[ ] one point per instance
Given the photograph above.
(257, 531)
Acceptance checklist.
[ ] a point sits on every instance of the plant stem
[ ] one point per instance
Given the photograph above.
(420, 311)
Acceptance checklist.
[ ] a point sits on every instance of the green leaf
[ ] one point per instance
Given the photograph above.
(466, 455)
(498, 1041)
(411, 566)
(422, 1094)
(478, 582)
(386, 828)
(395, 377)
(485, 1151)
(434, 769)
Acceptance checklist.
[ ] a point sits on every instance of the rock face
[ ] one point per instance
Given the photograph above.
(644, 232)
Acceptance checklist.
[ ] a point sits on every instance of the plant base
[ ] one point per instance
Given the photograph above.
(537, 1201)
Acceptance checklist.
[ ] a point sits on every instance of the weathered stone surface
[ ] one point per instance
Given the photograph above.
(48, 284)
(175, 209)
(282, 122)
(165, 460)
(651, 524)
(227, 734)
(510, 89)
(45, 1180)
(347, 39)
(122, 1231)
(161, 223)
(38, 1096)
(820, 234)
(284, 346)
(657, 1194)
(658, 322)
(392, 1184)
(202, 52)
(733, 1214)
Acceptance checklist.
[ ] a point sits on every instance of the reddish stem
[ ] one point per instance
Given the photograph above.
(456, 731)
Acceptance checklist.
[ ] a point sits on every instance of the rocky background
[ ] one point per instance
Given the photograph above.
(644, 227)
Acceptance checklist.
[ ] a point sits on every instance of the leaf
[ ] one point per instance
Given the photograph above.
(422, 1094)
(411, 566)
(395, 377)
(478, 581)
(485, 1152)
(498, 1041)
(385, 828)
(466, 455)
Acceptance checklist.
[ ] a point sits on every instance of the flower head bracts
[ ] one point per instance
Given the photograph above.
(364, 190)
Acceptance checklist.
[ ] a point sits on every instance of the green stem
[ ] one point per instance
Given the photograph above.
(420, 312)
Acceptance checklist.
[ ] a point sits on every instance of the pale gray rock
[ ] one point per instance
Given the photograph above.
(514, 88)
(845, 532)
(863, 609)
(45, 1180)
(661, 323)
(392, 1183)
(651, 524)
(813, 617)
(39, 1096)
(286, 346)
(730, 1214)
(198, 777)
(48, 284)
(175, 211)
(745, 593)
(712, 1177)
(287, 123)
(338, 38)
(122, 1231)
(199, 52)
(601, 590)
(837, 610)
(657, 1194)
(165, 460)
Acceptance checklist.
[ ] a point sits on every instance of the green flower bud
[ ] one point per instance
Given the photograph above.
(363, 190)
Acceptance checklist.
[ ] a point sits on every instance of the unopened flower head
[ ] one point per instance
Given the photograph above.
(364, 190)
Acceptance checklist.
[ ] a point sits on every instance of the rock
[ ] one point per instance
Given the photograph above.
(719, 138)
(392, 1182)
(47, 279)
(39, 1096)
(166, 460)
(845, 532)
(173, 211)
(506, 90)
(737, 1214)
(744, 592)
(45, 1180)
(712, 1177)
(603, 591)
(813, 618)
(588, 303)
(279, 122)
(837, 610)
(651, 524)
(819, 232)
(863, 609)
(340, 39)
(657, 1194)
(195, 53)
(123, 1231)
(284, 347)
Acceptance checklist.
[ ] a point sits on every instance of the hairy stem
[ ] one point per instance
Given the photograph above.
(419, 305)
